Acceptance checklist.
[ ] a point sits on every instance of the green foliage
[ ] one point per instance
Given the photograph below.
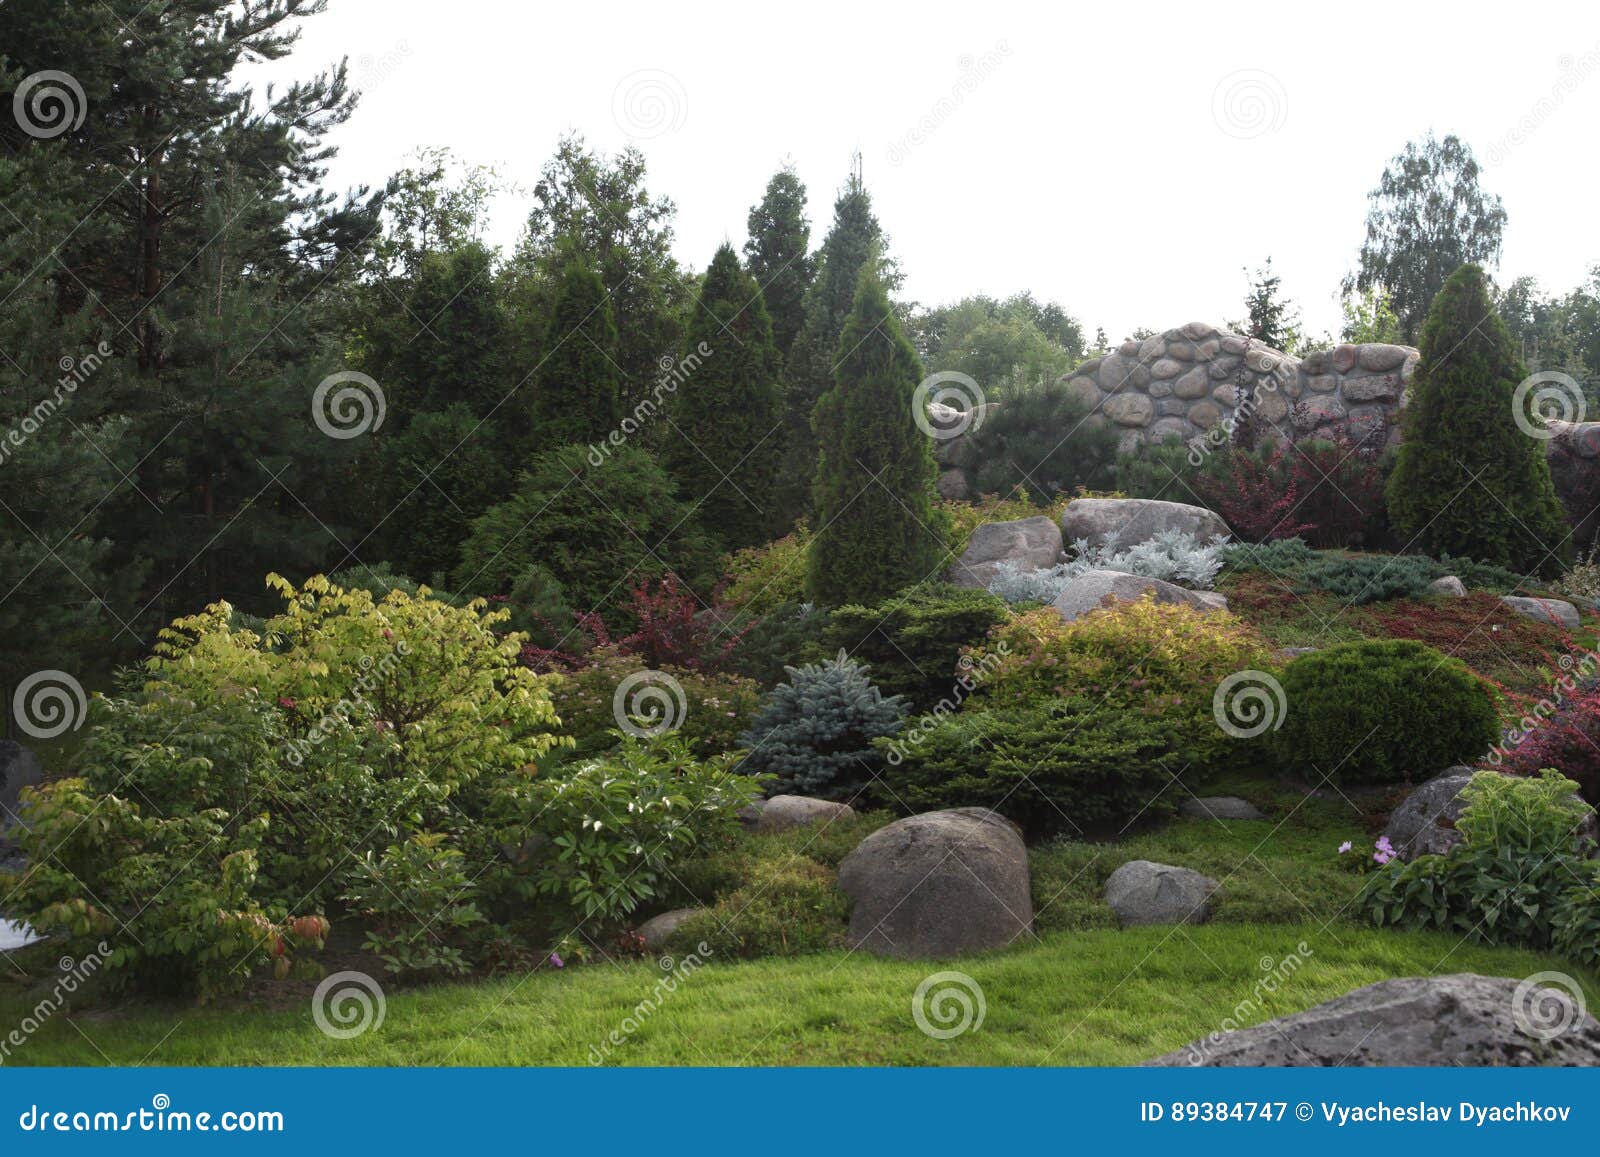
(1158, 470)
(1071, 765)
(784, 906)
(776, 255)
(1518, 878)
(761, 578)
(877, 529)
(1038, 440)
(1383, 711)
(1158, 659)
(813, 734)
(607, 834)
(716, 708)
(1468, 480)
(1272, 320)
(854, 243)
(727, 408)
(1008, 347)
(389, 892)
(589, 525)
(1369, 316)
(1280, 557)
(789, 633)
(578, 394)
(1427, 218)
(1368, 578)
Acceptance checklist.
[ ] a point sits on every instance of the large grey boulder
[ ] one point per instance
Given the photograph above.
(1089, 591)
(782, 812)
(19, 768)
(1553, 611)
(655, 931)
(938, 885)
(1462, 1019)
(1125, 522)
(1142, 892)
(1425, 824)
(1220, 807)
(1030, 543)
(1449, 587)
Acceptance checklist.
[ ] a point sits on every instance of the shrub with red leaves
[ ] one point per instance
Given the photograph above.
(1327, 490)
(1567, 739)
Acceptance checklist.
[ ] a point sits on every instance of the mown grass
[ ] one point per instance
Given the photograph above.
(1073, 998)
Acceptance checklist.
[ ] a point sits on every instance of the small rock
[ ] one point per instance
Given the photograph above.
(1376, 358)
(1449, 587)
(1142, 892)
(1030, 543)
(783, 812)
(1553, 611)
(1221, 807)
(657, 929)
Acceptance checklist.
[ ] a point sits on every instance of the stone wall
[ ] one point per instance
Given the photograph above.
(1189, 380)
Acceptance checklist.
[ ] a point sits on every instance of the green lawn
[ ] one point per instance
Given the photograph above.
(1074, 998)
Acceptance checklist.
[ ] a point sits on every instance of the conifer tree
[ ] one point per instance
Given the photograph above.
(1469, 481)
(853, 238)
(776, 255)
(721, 447)
(877, 529)
(579, 397)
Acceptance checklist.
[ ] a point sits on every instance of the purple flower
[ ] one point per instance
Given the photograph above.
(1344, 847)
(1385, 851)
(556, 961)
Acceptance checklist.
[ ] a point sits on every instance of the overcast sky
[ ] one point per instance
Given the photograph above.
(1126, 160)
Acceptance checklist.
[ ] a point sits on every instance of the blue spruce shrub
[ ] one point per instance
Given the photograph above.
(813, 734)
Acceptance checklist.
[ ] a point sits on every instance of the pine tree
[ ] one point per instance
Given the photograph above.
(854, 238)
(776, 254)
(453, 348)
(1468, 481)
(578, 396)
(877, 530)
(721, 448)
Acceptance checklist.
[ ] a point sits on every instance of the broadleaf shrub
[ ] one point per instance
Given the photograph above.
(1382, 711)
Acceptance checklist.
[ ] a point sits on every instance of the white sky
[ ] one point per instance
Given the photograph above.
(1095, 164)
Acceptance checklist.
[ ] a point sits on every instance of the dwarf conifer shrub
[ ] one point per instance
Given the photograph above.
(813, 734)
